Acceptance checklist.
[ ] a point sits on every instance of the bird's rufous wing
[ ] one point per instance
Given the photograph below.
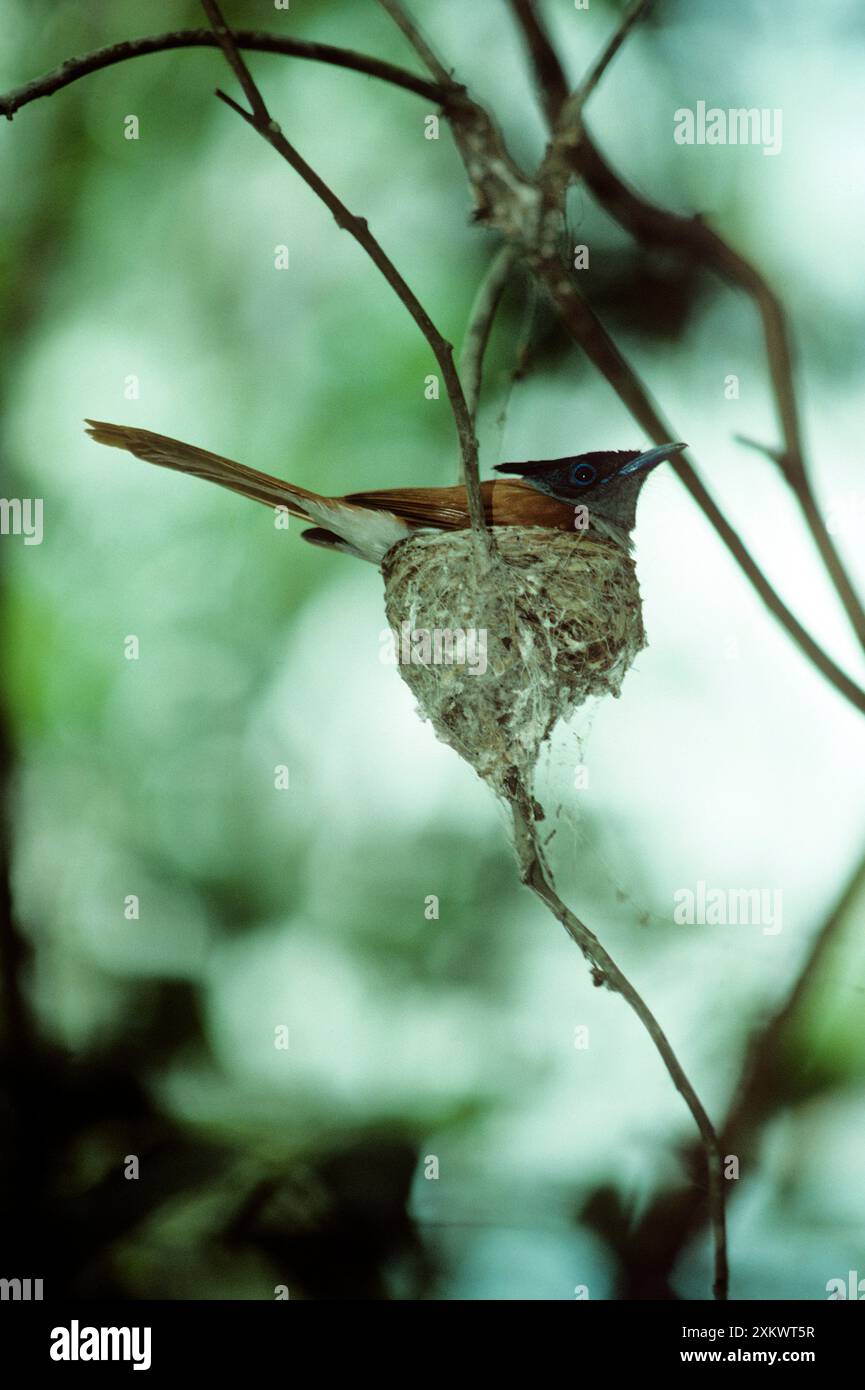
(445, 508)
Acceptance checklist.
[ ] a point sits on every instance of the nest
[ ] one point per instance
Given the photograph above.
(496, 653)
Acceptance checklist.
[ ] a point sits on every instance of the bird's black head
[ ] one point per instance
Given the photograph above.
(608, 484)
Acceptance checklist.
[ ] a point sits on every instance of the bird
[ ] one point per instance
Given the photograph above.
(544, 493)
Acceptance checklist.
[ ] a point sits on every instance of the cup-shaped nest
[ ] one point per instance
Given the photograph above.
(497, 652)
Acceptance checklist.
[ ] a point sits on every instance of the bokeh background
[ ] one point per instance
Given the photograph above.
(417, 1045)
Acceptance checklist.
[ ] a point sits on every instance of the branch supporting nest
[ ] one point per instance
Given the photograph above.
(536, 875)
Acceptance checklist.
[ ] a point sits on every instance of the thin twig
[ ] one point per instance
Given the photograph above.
(481, 319)
(256, 40)
(256, 101)
(567, 129)
(536, 874)
(261, 121)
(776, 455)
(606, 56)
(523, 360)
(549, 74)
(792, 465)
(412, 32)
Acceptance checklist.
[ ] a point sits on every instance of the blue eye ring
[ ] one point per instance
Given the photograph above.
(582, 474)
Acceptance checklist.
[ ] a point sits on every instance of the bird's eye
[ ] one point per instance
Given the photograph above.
(583, 473)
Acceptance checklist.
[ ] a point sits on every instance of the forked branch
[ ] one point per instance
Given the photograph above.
(261, 120)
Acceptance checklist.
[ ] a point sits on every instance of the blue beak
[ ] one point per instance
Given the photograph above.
(659, 454)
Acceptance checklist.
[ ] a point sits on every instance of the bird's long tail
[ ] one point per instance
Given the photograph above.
(366, 533)
(187, 458)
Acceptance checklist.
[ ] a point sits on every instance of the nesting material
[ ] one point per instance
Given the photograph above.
(556, 619)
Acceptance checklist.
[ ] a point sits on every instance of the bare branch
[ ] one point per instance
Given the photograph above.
(550, 79)
(536, 875)
(568, 130)
(523, 359)
(602, 62)
(481, 320)
(564, 110)
(76, 68)
(412, 32)
(261, 121)
(236, 63)
(776, 455)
